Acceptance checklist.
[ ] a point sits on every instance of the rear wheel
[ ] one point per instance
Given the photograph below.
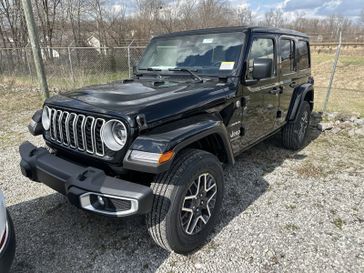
(186, 202)
(294, 133)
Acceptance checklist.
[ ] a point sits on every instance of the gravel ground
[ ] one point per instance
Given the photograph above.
(283, 212)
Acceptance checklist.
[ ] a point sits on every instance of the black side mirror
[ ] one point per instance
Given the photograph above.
(262, 68)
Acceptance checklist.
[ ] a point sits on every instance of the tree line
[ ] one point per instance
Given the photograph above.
(73, 22)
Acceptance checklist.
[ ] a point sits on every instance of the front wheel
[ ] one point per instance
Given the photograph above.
(186, 202)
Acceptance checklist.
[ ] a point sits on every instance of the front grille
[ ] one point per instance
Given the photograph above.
(77, 131)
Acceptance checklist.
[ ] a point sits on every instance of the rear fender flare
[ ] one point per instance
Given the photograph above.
(298, 97)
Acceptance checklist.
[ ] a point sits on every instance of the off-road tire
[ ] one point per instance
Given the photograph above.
(291, 137)
(164, 221)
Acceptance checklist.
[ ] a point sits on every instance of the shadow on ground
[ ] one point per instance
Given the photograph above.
(54, 236)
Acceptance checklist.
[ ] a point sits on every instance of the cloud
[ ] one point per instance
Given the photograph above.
(117, 8)
(292, 5)
(314, 8)
(345, 8)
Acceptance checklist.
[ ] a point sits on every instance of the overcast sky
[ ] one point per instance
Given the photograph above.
(312, 8)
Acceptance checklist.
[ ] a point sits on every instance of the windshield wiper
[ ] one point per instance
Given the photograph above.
(149, 69)
(183, 69)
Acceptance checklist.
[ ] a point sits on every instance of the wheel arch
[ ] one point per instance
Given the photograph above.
(213, 142)
(304, 92)
(205, 132)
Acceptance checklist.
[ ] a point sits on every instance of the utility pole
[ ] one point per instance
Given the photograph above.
(34, 40)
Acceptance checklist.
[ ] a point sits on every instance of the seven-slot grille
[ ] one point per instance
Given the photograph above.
(77, 131)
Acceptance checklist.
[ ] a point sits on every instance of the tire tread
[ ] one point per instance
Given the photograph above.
(163, 190)
(289, 136)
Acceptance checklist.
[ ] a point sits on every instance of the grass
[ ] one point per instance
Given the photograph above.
(339, 223)
(308, 169)
(291, 206)
(347, 93)
(344, 59)
(291, 227)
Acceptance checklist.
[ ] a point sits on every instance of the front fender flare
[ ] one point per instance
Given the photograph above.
(176, 136)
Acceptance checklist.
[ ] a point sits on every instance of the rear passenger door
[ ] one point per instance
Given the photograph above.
(294, 66)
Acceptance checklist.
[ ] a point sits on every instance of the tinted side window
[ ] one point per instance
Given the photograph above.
(262, 48)
(287, 55)
(303, 55)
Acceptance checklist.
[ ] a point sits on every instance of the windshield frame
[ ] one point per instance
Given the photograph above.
(234, 72)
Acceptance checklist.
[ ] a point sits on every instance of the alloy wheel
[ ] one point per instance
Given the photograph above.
(198, 204)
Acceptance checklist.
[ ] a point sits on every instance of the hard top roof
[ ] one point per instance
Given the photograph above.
(236, 29)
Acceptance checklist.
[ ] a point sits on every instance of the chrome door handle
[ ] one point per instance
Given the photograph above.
(292, 84)
(276, 90)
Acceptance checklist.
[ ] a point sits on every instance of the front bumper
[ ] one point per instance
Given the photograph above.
(86, 187)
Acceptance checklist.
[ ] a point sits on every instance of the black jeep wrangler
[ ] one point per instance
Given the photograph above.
(156, 144)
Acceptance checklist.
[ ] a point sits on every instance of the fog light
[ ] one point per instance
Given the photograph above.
(109, 205)
(101, 201)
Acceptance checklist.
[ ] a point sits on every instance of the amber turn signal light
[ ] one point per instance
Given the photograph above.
(165, 157)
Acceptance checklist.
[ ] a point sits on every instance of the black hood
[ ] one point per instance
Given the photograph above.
(156, 100)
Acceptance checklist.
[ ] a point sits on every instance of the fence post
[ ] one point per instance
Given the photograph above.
(1, 60)
(29, 65)
(129, 59)
(332, 73)
(71, 66)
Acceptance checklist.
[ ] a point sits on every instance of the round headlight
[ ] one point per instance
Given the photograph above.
(46, 122)
(114, 134)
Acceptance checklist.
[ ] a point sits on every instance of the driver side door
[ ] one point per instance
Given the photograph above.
(262, 97)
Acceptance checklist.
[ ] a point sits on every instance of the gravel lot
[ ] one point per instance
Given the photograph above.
(283, 212)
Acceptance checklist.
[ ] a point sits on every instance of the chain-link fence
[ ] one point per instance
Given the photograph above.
(347, 93)
(71, 66)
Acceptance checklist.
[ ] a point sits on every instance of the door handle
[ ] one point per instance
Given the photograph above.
(292, 84)
(276, 90)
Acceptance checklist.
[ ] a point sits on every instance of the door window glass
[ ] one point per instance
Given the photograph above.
(262, 48)
(287, 56)
(303, 55)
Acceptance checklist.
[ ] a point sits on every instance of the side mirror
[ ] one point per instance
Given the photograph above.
(262, 68)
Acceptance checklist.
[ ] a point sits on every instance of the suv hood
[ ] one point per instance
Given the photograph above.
(156, 100)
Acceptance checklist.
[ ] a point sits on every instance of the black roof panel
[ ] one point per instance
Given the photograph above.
(234, 29)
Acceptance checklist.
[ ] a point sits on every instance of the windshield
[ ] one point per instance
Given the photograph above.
(208, 54)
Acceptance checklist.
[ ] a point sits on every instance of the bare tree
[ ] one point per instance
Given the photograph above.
(245, 16)
(97, 11)
(186, 14)
(148, 17)
(213, 13)
(12, 23)
(274, 18)
(75, 10)
(47, 11)
(117, 27)
(62, 22)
